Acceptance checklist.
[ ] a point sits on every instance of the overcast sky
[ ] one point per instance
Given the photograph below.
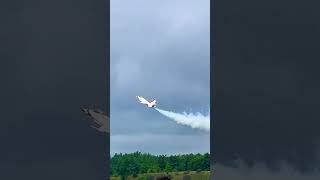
(159, 49)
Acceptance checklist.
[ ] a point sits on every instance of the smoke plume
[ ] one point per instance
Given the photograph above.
(196, 120)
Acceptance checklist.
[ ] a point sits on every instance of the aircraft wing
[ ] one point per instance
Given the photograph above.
(142, 100)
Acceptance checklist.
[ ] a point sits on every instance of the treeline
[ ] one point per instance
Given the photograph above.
(138, 163)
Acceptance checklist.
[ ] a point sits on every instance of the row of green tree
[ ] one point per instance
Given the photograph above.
(138, 163)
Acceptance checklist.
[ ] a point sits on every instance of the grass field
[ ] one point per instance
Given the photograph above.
(192, 175)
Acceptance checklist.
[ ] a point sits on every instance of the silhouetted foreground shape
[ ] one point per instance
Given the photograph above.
(100, 118)
(163, 178)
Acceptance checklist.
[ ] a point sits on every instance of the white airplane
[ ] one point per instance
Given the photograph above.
(144, 101)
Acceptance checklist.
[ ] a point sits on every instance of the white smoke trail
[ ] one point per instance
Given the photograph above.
(196, 120)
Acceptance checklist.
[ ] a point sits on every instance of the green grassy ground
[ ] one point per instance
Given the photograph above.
(204, 175)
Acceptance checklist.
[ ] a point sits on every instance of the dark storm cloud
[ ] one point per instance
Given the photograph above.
(53, 61)
(158, 50)
(266, 94)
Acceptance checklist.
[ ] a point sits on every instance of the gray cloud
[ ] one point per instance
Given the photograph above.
(160, 143)
(158, 50)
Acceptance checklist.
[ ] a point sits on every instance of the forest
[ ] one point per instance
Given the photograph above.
(139, 163)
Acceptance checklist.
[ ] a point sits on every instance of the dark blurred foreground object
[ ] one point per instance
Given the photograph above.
(163, 178)
(101, 120)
